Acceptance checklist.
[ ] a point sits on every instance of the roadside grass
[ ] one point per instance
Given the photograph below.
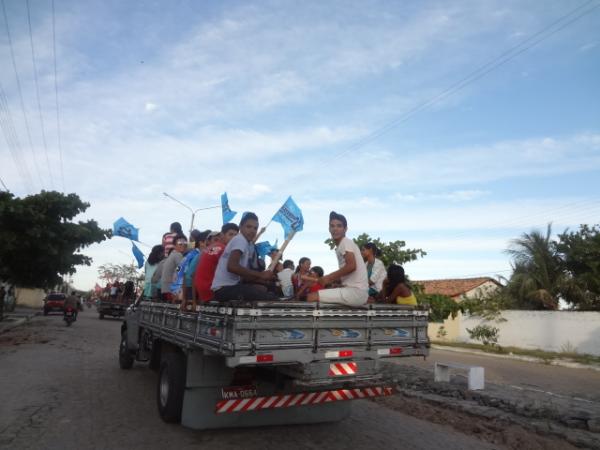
(547, 357)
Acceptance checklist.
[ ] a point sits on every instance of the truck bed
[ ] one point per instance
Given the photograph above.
(293, 333)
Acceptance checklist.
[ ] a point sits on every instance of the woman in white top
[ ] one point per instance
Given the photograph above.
(375, 268)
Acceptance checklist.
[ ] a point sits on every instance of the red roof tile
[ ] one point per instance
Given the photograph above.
(453, 287)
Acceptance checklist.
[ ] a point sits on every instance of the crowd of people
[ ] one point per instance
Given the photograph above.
(225, 265)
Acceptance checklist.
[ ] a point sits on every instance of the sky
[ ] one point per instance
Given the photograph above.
(453, 126)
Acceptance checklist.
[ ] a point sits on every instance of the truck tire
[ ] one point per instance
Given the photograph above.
(45, 312)
(101, 316)
(171, 385)
(125, 357)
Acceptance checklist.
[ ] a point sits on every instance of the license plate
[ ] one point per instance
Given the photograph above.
(237, 392)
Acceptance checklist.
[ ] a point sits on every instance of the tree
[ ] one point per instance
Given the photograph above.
(39, 241)
(538, 278)
(391, 252)
(580, 253)
(119, 272)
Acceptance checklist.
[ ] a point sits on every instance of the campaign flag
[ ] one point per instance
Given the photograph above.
(139, 256)
(263, 249)
(228, 214)
(97, 288)
(290, 217)
(124, 229)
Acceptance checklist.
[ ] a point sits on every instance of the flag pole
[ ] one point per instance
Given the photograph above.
(262, 230)
(280, 251)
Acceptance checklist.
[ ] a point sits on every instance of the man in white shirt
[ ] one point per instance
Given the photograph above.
(234, 279)
(352, 271)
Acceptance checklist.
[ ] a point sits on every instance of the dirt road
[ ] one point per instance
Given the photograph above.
(61, 388)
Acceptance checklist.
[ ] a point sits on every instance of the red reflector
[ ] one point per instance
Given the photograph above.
(395, 351)
(264, 358)
(345, 353)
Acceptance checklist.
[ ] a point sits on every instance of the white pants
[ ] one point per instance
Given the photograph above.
(345, 296)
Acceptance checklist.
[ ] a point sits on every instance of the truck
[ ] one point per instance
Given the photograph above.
(268, 363)
(112, 306)
(115, 304)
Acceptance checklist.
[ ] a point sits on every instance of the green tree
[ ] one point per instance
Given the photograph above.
(580, 253)
(39, 241)
(538, 278)
(391, 252)
(119, 272)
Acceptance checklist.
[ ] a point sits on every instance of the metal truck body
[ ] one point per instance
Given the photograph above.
(266, 363)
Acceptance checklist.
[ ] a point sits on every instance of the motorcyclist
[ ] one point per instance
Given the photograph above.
(72, 302)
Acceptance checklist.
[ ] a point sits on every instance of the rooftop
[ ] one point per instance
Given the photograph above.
(453, 287)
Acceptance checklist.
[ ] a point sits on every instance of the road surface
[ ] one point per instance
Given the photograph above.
(61, 388)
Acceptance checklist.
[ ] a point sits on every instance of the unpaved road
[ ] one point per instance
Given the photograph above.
(61, 388)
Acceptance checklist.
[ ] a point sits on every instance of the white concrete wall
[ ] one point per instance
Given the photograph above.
(34, 298)
(547, 330)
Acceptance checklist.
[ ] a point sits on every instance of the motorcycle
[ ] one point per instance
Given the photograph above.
(70, 316)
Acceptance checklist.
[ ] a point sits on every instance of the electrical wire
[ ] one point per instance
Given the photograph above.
(14, 64)
(37, 90)
(3, 185)
(58, 130)
(12, 140)
(478, 73)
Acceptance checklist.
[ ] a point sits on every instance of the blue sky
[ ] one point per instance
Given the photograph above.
(269, 99)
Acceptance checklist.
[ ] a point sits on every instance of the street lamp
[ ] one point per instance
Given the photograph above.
(190, 209)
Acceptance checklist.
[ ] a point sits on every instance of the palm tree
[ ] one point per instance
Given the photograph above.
(538, 276)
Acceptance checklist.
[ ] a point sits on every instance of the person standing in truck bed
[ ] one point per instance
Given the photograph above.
(352, 272)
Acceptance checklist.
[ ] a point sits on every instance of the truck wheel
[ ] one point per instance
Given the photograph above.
(101, 316)
(125, 357)
(171, 384)
(45, 312)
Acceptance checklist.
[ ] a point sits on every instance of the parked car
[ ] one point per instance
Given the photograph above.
(55, 301)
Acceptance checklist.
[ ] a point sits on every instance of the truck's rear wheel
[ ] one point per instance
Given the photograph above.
(101, 316)
(171, 385)
(125, 357)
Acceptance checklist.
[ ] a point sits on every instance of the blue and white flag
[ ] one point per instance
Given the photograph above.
(263, 249)
(228, 214)
(290, 217)
(139, 256)
(124, 229)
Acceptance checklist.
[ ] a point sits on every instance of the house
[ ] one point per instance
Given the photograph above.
(457, 289)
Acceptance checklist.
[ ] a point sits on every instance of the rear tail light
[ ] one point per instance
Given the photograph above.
(264, 358)
(389, 351)
(339, 354)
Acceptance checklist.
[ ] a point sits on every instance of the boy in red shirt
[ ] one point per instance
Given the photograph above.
(207, 266)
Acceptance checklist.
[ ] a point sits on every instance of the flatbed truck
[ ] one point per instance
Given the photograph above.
(268, 363)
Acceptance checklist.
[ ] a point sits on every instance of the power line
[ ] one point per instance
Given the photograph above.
(62, 172)
(12, 140)
(4, 185)
(478, 73)
(14, 63)
(526, 220)
(37, 90)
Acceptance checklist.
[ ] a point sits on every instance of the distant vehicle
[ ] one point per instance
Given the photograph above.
(55, 301)
(114, 307)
